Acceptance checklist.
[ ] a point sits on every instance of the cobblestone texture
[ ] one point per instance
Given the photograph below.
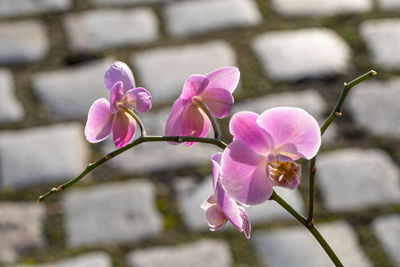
(41, 155)
(109, 213)
(91, 30)
(387, 230)
(383, 119)
(309, 100)
(374, 183)
(319, 8)
(389, 5)
(159, 156)
(190, 196)
(204, 253)
(10, 109)
(21, 228)
(92, 259)
(382, 38)
(10, 8)
(196, 17)
(293, 55)
(296, 246)
(70, 92)
(22, 42)
(53, 54)
(164, 70)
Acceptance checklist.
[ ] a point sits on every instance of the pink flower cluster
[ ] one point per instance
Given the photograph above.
(262, 154)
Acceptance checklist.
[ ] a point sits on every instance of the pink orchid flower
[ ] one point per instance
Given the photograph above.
(105, 118)
(214, 91)
(263, 152)
(220, 207)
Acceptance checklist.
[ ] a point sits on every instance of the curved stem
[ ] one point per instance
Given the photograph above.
(336, 112)
(137, 119)
(142, 139)
(211, 117)
(314, 231)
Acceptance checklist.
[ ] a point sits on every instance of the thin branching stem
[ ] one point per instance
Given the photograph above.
(336, 112)
(211, 117)
(137, 119)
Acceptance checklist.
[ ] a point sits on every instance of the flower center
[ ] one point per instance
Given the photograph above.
(285, 173)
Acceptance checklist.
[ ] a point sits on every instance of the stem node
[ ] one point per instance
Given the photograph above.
(338, 114)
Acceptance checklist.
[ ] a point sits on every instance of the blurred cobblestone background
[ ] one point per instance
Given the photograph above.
(142, 208)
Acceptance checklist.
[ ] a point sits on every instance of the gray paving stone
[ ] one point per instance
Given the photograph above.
(387, 230)
(124, 2)
(9, 8)
(42, 155)
(320, 8)
(297, 54)
(10, 109)
(92, 259)
(99, 29)
(21, 228)
(159, 156)
(354, 178)
(191, 195)
(118, 212)
(203, 253)
(22, 42)
(70, 92)
(164, 70)
(297, 247)
(309, 100)
(389, 5)
(189, 18)
(374, 106)
(382, 38)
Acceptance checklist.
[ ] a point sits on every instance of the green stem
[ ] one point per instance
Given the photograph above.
(314, 231)
(137, 119)
(142, 139)
(211, 117)
(336, 112)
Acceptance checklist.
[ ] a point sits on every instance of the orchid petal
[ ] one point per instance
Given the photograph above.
(216, 218)
(139, 98)
(117, 93)
(174, 121)
(243, 126)
(219, 101)
(245, 174)
(227, 78)
(232, 211)
(295, 133)
(216, 167)
(124, 127)
(99, 122)
(194, 85)
(194, 122)
(119, 71)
